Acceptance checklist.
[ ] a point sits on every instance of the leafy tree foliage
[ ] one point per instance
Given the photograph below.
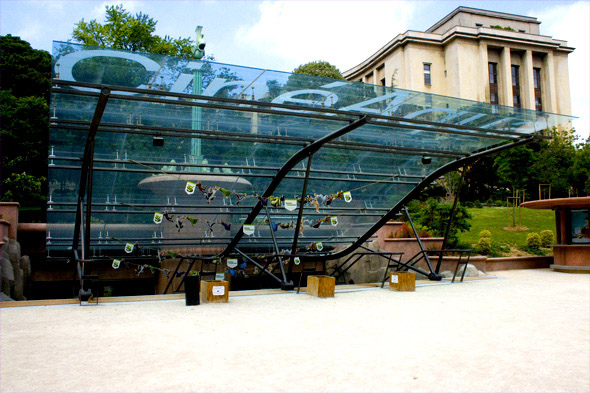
(122, 30)
(319, 68)
(434, 216)
(24, 93)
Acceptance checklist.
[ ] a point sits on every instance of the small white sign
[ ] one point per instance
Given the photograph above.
(249, 229)
(394, 279)
(319, 246)
(116, 263)
(219, 276)
(347, 196)
(218, 291)
(334, 221)
(190, 187)
(129, 248)
(296, 260)
(158, 217)
(232, 263)
(290, 204)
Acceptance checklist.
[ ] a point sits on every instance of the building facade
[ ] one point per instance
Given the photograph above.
(479, 55)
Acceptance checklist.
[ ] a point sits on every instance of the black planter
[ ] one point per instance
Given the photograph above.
(192, 287)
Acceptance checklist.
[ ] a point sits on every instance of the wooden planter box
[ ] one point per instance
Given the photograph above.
(321, 286)
(402, 281)
(214, 291)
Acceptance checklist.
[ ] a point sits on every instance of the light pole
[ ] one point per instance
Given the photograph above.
(199, 51)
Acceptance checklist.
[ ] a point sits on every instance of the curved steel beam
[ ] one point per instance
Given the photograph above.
(285, 169)
(411, 195)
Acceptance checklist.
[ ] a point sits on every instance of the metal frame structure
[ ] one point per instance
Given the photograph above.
(80, 250)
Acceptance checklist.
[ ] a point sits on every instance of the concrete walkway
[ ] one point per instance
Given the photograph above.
(527, 331)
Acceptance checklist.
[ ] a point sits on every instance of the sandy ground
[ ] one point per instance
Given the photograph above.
(527, 331)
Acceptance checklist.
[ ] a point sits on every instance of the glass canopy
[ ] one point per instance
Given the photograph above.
(179, 172)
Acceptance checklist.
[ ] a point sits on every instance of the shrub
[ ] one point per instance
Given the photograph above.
(406, 231)
(485, 233)
(484, 245)
(533, 240)
(500, 203)
(469, 204)
(546, 238)
(477, 204)
(433, 216)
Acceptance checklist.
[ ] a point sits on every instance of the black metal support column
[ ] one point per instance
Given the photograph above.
(86, 181)
(286, 168)
(416, 191)
(285, 284)
(258, 265)
(300, 213)
(407, 213)
(86, 165)
(450, 222)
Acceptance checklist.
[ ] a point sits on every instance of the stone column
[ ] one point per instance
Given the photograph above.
(549, 95)
(527, 90)
(505, 78)
(483, 92)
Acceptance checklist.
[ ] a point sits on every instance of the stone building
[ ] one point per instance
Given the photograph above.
(480, 55)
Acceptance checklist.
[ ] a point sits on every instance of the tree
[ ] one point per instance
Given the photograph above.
(562, 165)
(122, 30)
(24, 93)
(513, 167)
(319, 68)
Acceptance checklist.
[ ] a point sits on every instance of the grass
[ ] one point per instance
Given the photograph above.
(495, 219)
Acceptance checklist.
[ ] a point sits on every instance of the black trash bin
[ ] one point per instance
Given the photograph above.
(192, 287)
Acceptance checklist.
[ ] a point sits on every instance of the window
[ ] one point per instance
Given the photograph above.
(382, 81)
(515, 86)
(479, 25)
(493, 74)
(427, 74)
(537, 84)
(537, 77)
(516, 101)
(515, 81)
(493, 70)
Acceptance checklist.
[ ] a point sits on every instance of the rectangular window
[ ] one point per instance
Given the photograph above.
(538, 104)
(515, 80)
(427, 74)
(383, 82)
(515, 86)
(537, 84)
(537, 77)
(493, 75)
(493, 71)
(580, 230)
(516, 101)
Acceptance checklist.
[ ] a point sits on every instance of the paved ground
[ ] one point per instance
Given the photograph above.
(527, 331)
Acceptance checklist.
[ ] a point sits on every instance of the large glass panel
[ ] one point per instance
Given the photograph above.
(177, 172)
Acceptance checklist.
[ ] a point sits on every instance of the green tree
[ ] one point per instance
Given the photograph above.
(580, 171)
(319, 68)
(513, 167)
(434, 216)
(554, 162)
(122, 30)
(24, 94)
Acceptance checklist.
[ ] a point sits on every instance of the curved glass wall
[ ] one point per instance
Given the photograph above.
(177, 172)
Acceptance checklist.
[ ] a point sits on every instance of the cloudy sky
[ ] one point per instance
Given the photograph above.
(281, 35)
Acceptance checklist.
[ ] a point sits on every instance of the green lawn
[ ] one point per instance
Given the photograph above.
(494, 219)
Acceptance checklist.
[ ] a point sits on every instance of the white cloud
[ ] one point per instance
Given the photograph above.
(344, 33)
(570, 23)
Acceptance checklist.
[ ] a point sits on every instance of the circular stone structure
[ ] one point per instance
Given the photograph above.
(571, 253)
